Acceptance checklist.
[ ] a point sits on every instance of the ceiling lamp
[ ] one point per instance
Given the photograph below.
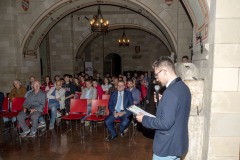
(98, 23)
(169, 2)
(123, 41)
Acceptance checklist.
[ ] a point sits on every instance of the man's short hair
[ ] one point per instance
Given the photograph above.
(94, 80)
(185, 57)
(88, 80)
(129, 80)
(66, 75)
(120, 81)
(164, 62)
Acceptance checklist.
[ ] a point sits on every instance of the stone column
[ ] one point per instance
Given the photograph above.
(196, 119)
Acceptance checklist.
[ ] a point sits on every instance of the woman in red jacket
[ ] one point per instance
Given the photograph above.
(47, 85)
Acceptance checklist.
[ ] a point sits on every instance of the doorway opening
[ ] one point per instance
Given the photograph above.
(112, 64)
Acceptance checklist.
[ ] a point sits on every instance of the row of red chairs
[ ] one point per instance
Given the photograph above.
(17, 103)
(76, 106)
(104, 96)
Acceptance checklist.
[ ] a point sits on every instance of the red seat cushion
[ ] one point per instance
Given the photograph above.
(96, 118)
(73, 116)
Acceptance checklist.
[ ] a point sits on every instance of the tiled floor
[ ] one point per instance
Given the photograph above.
(53, 145)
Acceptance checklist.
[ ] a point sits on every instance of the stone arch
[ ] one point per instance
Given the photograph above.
(54, 12)
(199, 15)
(90, 36)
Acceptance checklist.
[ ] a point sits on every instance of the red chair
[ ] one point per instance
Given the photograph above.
(5, 105)
(17, 104)
(78, 110)
(95, 104)
(93, 117)
(106, 96)
(45, 109)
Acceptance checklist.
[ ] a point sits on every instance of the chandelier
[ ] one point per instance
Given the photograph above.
(123, 41)
(98, 23)
(169, 2)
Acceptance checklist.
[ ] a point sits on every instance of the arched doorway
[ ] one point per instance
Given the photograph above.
(113, 64)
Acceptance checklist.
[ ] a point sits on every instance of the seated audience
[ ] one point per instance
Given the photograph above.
(89, 93)
(33, 106)
(98, 88)
(56, 78)
(56, 97)
(185, 59)
(136, 94)
(70, 92)
(82, 82)
(77, 85)
(119, 101)
(29, 86)
(17, 91)
(106, 85)
(114, 87)
(47, 85)
(99, 79)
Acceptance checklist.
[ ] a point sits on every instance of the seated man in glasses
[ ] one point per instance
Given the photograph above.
(33, 106)
(119, 101)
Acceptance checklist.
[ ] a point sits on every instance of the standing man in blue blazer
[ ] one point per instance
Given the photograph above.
(171, 122)
(119, 101)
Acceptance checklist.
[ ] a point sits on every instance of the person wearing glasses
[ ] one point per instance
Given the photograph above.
(171, 121)
(119, 101)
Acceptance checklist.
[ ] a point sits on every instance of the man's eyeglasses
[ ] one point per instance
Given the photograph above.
(156, 74)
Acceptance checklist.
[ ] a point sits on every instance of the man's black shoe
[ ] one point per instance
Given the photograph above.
(8, 124)
(122, 134)
(110, 138)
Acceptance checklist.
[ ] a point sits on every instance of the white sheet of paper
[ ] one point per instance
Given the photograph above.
(137, 110)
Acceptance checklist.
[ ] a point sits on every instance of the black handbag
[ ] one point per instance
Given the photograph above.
(101, 111)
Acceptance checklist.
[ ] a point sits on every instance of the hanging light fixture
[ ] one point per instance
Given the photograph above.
(98, 23)
(169, 2)
(123, 41)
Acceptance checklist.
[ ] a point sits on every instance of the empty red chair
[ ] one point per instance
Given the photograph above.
(78, 110)
(17, 104)
(5, 105)
(95, 104)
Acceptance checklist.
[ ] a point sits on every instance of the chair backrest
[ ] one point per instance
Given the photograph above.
(45, 109)
(77, 95)
(5, 104)
(99, 102)
(105, 96)
(78, 106)
(17, 104)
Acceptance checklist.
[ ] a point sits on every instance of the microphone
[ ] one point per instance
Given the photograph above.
(157, 88)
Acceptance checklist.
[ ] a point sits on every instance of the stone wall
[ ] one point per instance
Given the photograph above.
(61, 51)
(224, 132)
(13, 65)
(150, 49)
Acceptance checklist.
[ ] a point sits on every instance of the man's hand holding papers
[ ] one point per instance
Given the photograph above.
(139, 112)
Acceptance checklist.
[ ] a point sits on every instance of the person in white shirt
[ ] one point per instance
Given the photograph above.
(56, 98)
(106, 85)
